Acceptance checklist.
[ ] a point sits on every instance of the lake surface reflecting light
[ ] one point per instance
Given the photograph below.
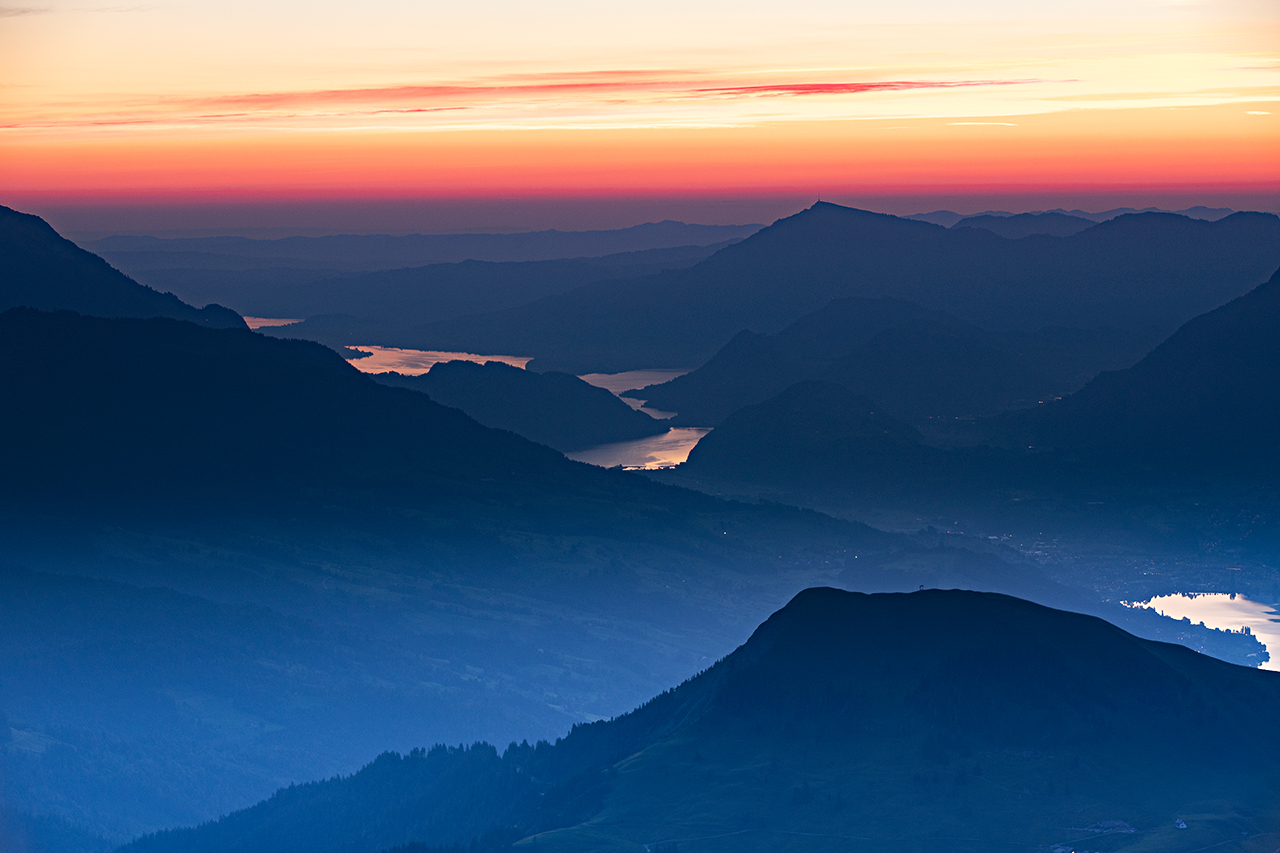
(412, 362)
(659, 451)
(268, 322)
(630, 380)
(1226, 611)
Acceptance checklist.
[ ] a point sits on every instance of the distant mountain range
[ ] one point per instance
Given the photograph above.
(949, 218)
(1142, 273)
(384, 306)
(914, 362)
(368, 252)
(40, 269)
(937, 719)
(555, 409)
(1026, 224)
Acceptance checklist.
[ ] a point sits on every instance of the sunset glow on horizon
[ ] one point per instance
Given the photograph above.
(194, 101)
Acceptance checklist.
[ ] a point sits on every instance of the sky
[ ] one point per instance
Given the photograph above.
(726, 111)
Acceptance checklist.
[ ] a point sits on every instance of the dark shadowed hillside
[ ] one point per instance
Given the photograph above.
(915, 362)
(235, 468)
(163, 416)
(40, 269)
(1176, 454)
(900, 722)
(555, 409)
(1146, 273)
(815, 432)
(1205, 399)
(1210, 393)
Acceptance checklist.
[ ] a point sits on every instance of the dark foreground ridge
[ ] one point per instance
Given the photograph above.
(937, 719)
(40, 269)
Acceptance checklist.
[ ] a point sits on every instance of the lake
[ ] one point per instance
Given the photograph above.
(412, 362)
(268, 322)
(1227, 611)
(630, 380)
(659, 451)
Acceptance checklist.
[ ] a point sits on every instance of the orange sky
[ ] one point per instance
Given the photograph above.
(191, 100)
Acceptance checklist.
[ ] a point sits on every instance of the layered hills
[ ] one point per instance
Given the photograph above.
(366, 252)
(1145, 273)
(233, 468)
(1175, 454)
(386, 306)
(1209, 394)
(1203, 399)
(555, 409)
(41, 269)
(899, 722)
(915, 362)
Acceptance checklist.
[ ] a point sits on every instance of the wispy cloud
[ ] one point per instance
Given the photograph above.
(19, 11)
(604, 98)
(614, 84)
(802, 89)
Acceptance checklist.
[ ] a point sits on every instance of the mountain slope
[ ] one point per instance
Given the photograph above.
(157, 417)
(511, 583)
(900, 721)
(814, 433)
(555, 409)
(914, 362)
(40, 269)
(1144, 273)
(1210, 393)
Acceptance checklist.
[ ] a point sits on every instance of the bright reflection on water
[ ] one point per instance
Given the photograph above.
(412, 362)
(265, 322)
(1229, 612)
(659, 451)
(630, 380)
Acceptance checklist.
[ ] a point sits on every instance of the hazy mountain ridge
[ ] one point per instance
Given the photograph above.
(383, 251)
(1144, 273)
(392, 301)
(948, 218)
(791, 732)
(1174, 455)
(915, 362)
(1208, 393)
(1022, 225)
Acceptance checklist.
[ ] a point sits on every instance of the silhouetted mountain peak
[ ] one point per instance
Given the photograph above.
(855, 703)
(40, 269)
(988, 664)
